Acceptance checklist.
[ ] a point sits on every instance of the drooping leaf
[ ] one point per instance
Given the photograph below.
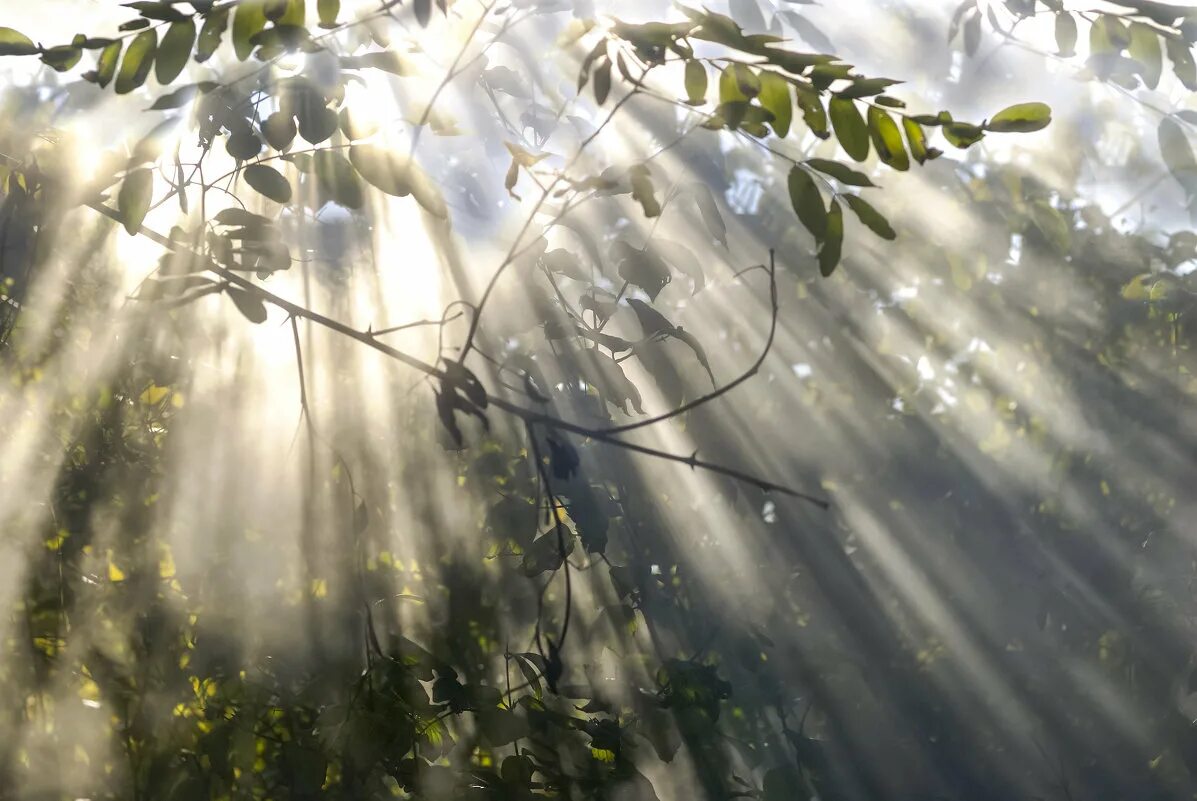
(642, 268)
(1183, 65)
(62, 57)
(696, 82)
(642, 190)
(328, 11)
(268, 181)
(1066, 34)
(850, 128)
(135, 67)
(1178, 154)
(133, 199)
(249, 18)
(833, 241)
(602, 82)
(807, 201)
(106, 64)
(813, 113)
(775, 98)
(210, 33)
(1021, 118)
(708, 210)
(887, 139)
(916, 138)
(243, 144)
(338, 178)
(174, 50)
(1145, 50)
(871, 218)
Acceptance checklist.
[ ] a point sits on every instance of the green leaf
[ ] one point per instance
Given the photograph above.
(866, 87)
(1051, 222)
(210, 33)
(888, 139)
(1182, 62)
(775, 98)
(15, 43)
(1021, 118)
(840, 172)
(871, 218)
(106, 64)
(696, 83)
(269, 182)
(250, 305)
(1145, 50)
(328, 11)
(174, 51)
(849, 128)
(1065, 34)
(249, 17)
(807, 202)
(133, 199)
(833, 240)
(963, 134)
(917, 140)
(62, 58)
(813, 113)
(135, 67)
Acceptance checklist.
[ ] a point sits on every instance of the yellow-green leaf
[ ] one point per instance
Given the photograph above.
(249, 17)
(174, 51)
(139, 57)
(106, 65)
(696, 83)
(887, 139)
(1021, 118)
(775, 98)
(15, 43)
(849, 128)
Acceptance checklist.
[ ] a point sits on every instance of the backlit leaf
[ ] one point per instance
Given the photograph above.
(135, 67)
(850, 128)
(268, 181)
(133, 199)
(174, 51)
(807, 201)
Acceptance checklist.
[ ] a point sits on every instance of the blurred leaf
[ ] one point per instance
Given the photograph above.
(1178, 154)
(696, 82)
(133, 199)
(268, 181)
(1145, 49)
(249, 305)
(328, 11)
(1066, 34)
(1182, 62)
(279, 130)
(642, 190)
(338, 178)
